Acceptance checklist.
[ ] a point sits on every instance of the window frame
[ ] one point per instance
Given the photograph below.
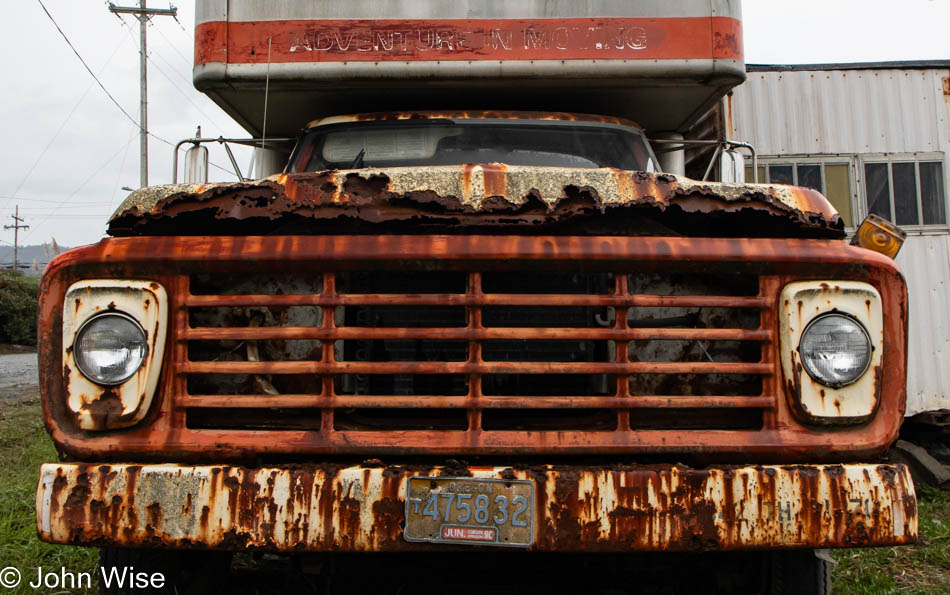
(828, 159)
(919, 228)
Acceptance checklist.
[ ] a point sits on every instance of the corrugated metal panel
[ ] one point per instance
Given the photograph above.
(926, 264)
(841, 111)
(886, 110)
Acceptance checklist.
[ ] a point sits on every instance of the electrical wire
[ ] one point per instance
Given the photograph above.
(89, 70)
(62, 127)
(172, 45)
(148, 56)
(81, 186)
(42, 200)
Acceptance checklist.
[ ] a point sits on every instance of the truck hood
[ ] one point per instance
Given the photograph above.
(488, 198)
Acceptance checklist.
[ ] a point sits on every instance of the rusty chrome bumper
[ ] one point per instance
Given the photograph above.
(323, 507)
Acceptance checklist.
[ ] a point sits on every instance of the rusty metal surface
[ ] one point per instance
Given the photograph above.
(775, 436)
(472, 198)
(577, 509)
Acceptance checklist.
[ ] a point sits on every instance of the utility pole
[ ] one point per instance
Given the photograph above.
(143, 14)
(16, 227)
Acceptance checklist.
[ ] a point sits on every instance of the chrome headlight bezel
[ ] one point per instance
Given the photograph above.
(87, 325)
(806, 362)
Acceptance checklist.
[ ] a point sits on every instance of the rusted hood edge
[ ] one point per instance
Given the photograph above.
(470, 195)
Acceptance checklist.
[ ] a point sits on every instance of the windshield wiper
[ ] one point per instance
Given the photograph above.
(358, 162)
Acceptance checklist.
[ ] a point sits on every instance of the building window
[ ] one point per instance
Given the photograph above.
(831, 178)
(906, 191)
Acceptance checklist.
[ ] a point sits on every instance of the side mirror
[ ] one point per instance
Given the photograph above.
(732, 167)
(196, 165)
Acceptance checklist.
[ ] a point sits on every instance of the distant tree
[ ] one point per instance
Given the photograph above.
(18, 302)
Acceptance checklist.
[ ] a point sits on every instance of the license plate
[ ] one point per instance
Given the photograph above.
(470, 511)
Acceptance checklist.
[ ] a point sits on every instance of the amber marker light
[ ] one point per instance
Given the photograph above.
(880, 235)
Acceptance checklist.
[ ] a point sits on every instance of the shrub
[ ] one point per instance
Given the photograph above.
(18, 297)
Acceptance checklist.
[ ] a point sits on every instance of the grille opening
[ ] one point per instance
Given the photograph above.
(253, 316)
(696, 419)
(547, 317)
(381, 420)
(549, 385)
(699, 385)
(402, 282)
(547, 351)
(254, 384)
(400, 350)
(722, 283)
(656, 350)
(253, 419)
(266, 350)
(547, 282)
(452, 385)
(591, 420)
(256, 284)
(684, 317)
(403, 316)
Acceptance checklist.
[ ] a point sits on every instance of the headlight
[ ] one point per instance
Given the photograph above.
(835, 350)
(110, 348)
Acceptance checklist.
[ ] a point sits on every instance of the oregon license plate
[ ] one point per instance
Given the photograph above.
(470, 511)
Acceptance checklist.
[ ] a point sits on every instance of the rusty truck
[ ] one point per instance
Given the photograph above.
(506, 302)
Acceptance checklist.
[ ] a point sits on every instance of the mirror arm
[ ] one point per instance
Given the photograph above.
(234, 162)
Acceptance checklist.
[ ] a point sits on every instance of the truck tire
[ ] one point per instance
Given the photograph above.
(184, 571)
(799, 571)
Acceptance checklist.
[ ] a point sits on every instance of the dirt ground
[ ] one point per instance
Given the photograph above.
(19, 379)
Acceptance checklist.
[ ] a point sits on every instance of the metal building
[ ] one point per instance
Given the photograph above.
(874, 137)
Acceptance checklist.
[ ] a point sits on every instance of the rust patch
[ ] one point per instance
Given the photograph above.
(474, 198)
(106, 410)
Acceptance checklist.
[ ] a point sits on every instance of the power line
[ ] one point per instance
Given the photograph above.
(27, 198)
(173, 84)
(62, 126)
(81, 186)
(115, 186)
(161, 71)
(89, 70)
(143, 14)
(172, 45)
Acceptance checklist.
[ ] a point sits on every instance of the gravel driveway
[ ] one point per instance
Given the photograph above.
(19, 379)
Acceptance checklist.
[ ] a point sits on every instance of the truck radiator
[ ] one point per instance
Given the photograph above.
(525, 352)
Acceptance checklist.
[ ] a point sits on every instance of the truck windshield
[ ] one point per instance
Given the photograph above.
(454, 142)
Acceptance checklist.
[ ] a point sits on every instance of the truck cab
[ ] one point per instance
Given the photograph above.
(453, 334)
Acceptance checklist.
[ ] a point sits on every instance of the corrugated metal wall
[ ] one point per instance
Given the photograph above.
(854, 112)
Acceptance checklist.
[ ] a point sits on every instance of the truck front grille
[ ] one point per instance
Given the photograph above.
(523, 356)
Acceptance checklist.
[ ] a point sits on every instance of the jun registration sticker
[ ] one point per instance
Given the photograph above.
(470, 511)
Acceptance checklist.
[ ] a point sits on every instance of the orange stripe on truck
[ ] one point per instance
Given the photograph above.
(468, 39)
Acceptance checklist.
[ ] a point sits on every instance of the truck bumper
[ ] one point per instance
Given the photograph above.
(577, 508)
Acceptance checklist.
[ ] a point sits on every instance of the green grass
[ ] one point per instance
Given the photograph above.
(24, 445)
(921, 568)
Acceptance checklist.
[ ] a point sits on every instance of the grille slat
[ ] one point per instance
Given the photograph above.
(600, 352)
(465, 402)
(410, 367)
(472, 334)
(493, 299)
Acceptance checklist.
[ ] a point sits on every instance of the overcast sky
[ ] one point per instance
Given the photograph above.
(68, 149)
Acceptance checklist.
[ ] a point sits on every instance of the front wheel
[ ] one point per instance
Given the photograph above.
(799, 571)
